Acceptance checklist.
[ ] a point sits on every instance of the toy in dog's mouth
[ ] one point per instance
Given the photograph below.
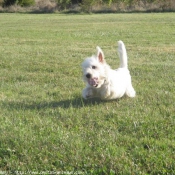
(93, 81)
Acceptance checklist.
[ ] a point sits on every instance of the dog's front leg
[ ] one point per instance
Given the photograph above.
(87, 93)
(105, 93)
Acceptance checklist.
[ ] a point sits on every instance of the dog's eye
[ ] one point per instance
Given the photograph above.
(93, 67)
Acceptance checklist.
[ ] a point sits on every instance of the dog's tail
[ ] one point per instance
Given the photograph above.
(122, 54)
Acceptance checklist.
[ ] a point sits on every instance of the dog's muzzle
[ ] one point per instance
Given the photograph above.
(93, 82)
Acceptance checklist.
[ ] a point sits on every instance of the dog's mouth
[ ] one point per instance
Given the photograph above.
(93, 82)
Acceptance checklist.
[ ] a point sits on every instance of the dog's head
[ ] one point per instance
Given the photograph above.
(95, 69)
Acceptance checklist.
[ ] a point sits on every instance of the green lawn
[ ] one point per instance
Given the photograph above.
(47, 127)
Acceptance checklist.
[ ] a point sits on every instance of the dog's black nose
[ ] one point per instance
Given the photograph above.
(88, 75)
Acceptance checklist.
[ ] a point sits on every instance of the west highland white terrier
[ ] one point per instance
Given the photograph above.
(104, 82)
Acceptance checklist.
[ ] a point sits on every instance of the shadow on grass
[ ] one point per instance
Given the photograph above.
(76, 102)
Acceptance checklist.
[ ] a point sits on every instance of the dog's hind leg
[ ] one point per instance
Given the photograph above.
(122, 54)
(130, 92)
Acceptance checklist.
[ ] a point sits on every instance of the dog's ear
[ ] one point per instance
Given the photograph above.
(100, 55)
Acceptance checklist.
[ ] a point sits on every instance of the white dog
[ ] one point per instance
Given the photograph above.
(102, 81)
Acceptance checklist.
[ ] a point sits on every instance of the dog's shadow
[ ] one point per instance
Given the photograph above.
(77, 102)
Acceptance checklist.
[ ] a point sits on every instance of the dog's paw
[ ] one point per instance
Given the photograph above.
(87, 93)
(131, 93)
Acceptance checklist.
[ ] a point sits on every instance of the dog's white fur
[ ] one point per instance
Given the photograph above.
(102, 81)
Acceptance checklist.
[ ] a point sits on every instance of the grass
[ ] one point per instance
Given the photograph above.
(47, 127)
